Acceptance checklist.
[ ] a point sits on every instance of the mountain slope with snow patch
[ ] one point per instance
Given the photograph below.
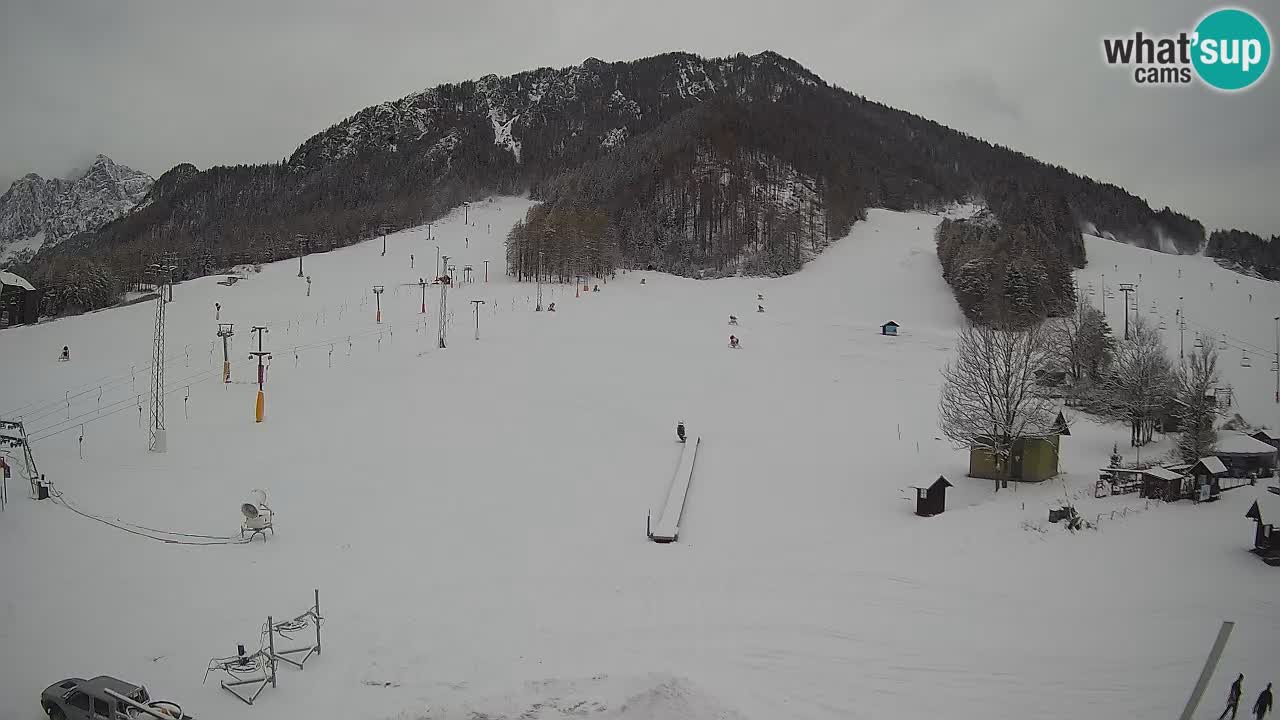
(36, 212)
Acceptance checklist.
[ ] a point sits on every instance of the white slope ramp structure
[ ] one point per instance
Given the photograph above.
(668, 528)
(470, 514)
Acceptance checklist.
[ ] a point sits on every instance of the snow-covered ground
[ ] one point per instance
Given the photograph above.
(474, 516)
(1237, 311)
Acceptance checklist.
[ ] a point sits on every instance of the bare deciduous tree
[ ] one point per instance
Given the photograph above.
(1140, 383)
(989, 394)
(1197, 407)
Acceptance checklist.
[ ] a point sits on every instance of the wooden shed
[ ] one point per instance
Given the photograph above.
(1266, 538)
(1161, 483)
(932, 500)
(889, 328)
(1206, 472)
(1034, 458)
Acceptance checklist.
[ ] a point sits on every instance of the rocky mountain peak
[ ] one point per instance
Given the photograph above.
(38, 212)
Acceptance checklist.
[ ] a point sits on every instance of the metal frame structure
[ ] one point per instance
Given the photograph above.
(226, 331)
(28, 459)
(4, 483)
(477, 304)
(262, 662)
(156, 440)
(1127, 288)
(266, 660)
(377, 298)
(310, 617)
(444, 280)
(159, 710)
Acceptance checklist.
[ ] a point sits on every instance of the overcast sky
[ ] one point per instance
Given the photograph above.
(155, 83)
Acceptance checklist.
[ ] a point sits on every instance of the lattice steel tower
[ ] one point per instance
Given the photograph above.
(156, 439)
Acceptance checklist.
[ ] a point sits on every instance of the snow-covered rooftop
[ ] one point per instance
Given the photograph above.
(1213, 465)
(8, 278)
(1162, 473)
(1237, 443)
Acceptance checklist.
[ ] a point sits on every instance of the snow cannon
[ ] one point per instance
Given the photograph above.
(257, 516)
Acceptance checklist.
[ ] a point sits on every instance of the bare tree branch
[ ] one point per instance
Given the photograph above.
(989, 394)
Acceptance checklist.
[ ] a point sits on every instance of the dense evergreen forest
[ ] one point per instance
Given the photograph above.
(1246, 251)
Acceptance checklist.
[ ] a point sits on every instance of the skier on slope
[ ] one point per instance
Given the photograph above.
(66, 353)
(1233, 697)
(759, 308)
(733, 319)
(733, 342)
(680, 430)
(1263, 705)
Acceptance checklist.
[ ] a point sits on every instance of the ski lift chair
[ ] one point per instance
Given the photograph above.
(257, 517)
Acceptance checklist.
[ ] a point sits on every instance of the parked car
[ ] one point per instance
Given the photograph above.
(80, 699)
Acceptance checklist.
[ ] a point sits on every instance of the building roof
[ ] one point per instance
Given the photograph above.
(8, 278)
(1270, 510)
(1213, 465)
(1162, 473)
(1238, 443)
(941, 481)
(1265, 433)
(891, 323)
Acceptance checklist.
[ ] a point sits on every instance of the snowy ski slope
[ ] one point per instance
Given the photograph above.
(473, 516)
(1217, 304)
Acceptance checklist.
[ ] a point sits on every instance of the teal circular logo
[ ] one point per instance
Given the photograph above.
(1232, 49)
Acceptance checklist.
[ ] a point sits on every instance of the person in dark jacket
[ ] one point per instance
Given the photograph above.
(1233, 698)
(680, 430)
(1263, 705)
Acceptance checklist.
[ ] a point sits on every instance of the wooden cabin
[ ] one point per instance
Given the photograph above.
(1162, 483)
(1034, 459)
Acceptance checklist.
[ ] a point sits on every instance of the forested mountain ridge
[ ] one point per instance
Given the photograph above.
(682, 163)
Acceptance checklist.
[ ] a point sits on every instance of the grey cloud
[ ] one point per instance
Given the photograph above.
(982, 94)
